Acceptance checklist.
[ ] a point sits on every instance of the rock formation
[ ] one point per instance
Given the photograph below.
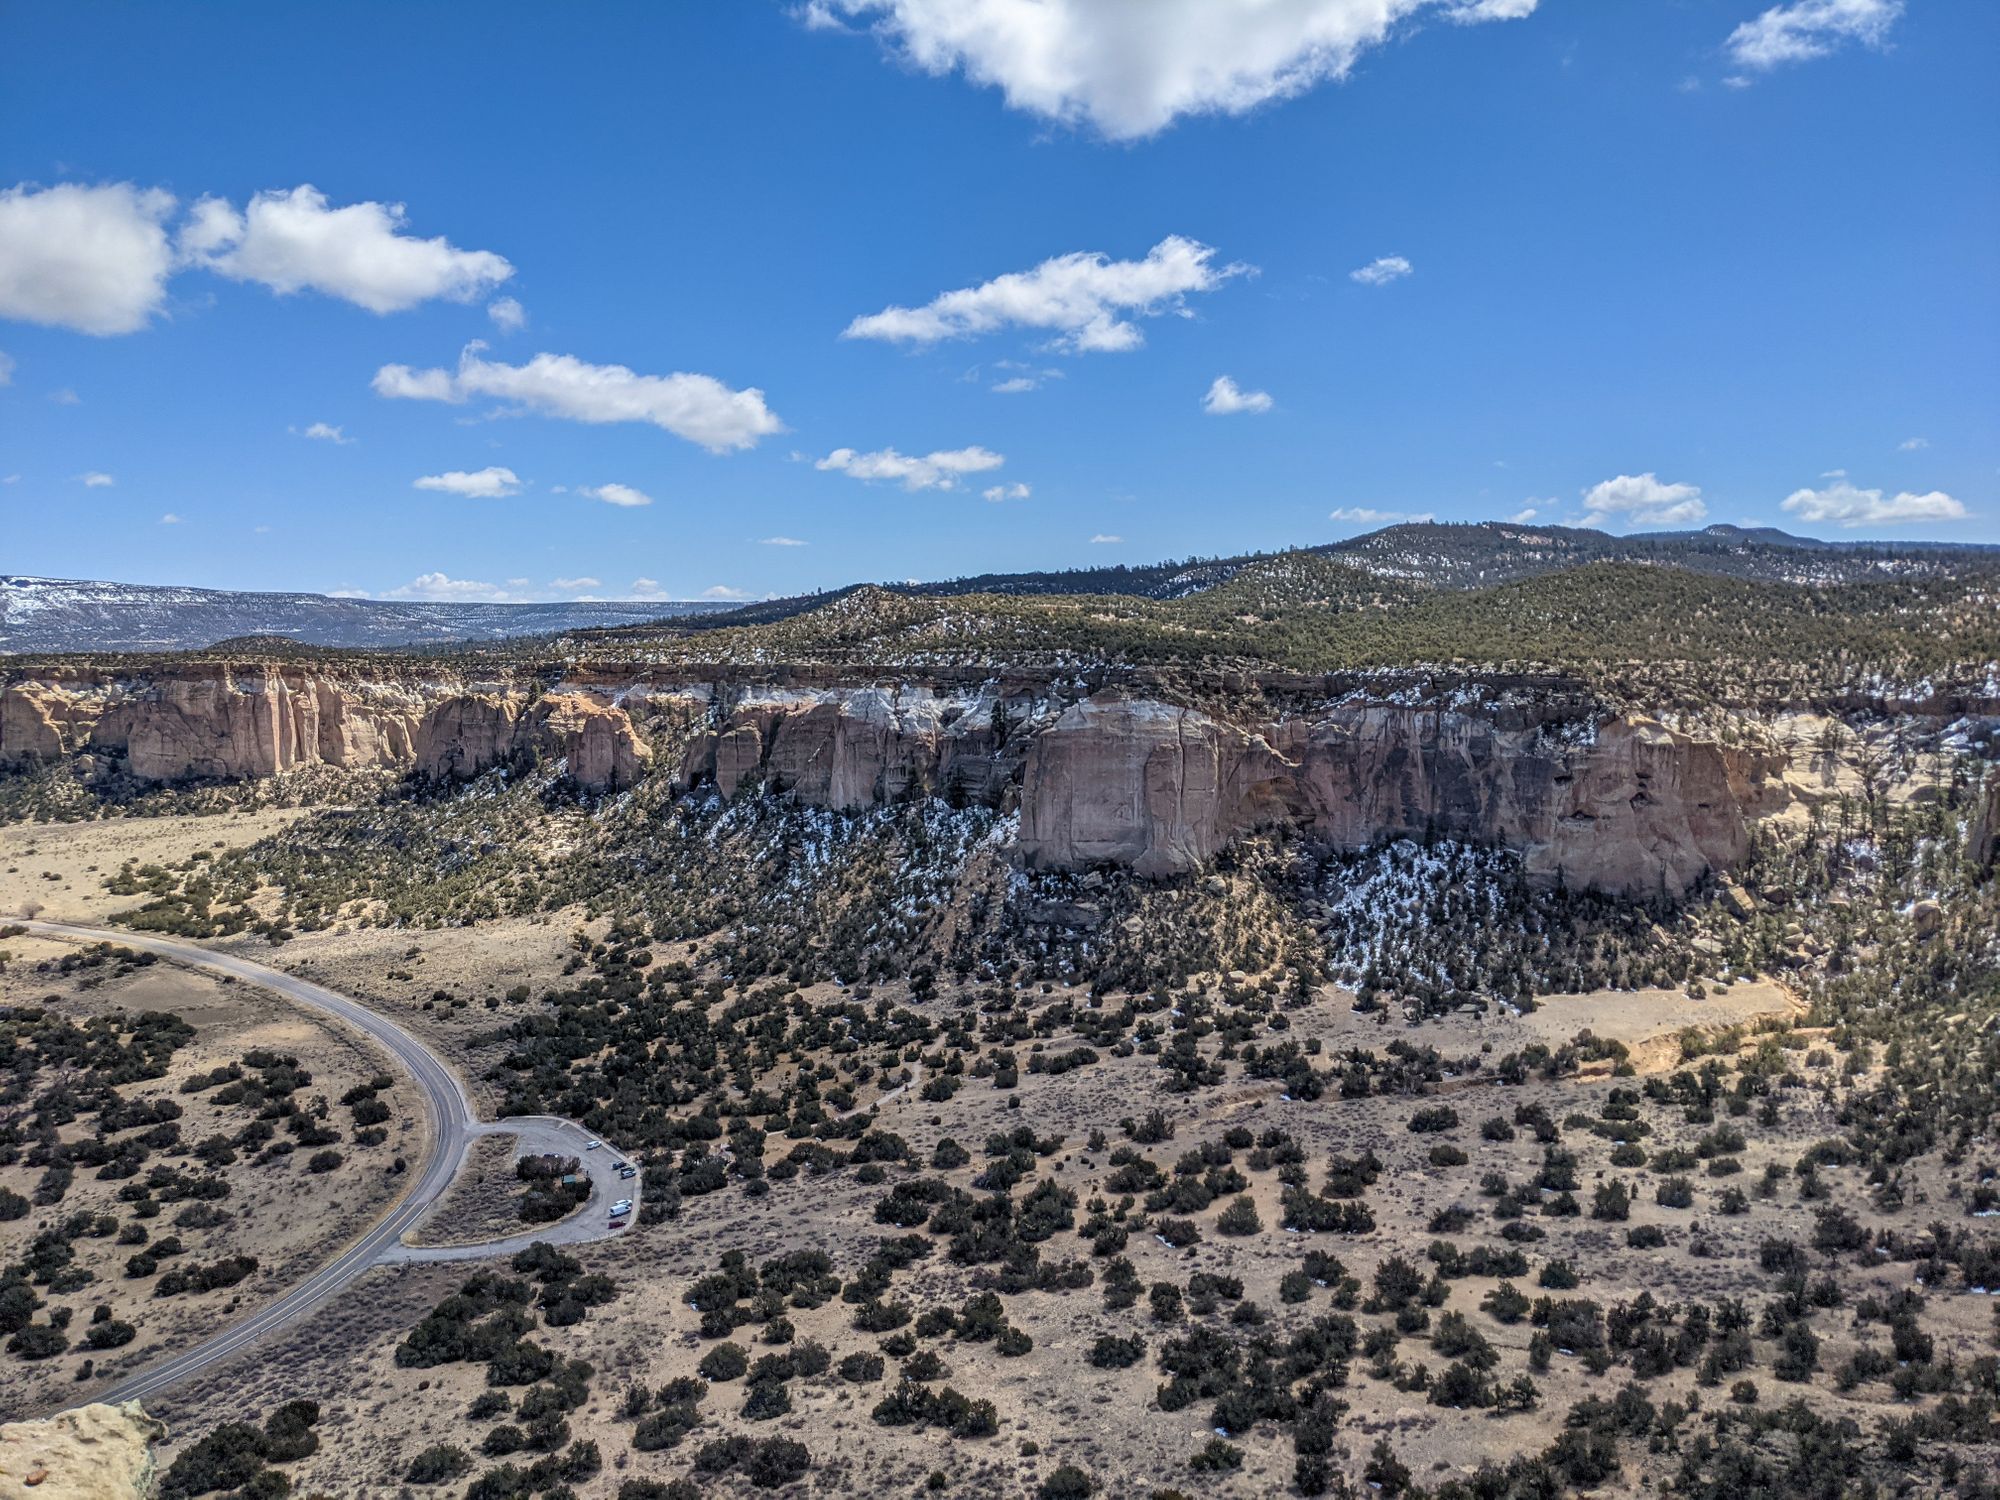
(1127, 775)
(95, 1452)
(1625, 805)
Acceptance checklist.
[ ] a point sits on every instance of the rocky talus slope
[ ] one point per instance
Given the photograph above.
(1137, 775)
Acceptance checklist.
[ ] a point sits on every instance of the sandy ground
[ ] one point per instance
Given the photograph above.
(60, 868)
(278, 1212)
(483, 1202)
(1054, 1405)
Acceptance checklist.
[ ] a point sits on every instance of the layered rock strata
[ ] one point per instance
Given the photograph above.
(1110, 775)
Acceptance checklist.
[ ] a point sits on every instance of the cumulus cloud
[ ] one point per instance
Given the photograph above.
(724, 591)
(1913, 445)
(1105, 539)
(1382, 270)
(95, 259)
(1841, 504)
(781, 541)
(491, 483)
(1225, 398)
(615, 494)
(170, 519)
(1524, 515)
(1014, 385)
(507, 314)
(1087, 300)
(570, 585)
(1642, 500)
(699, 408)
(1130, 70)
(941, 470)
(1367, 515)
(438, 586)
(999, 492)
(325, 432)
(95, 479)
(294, 241)
(1809, 29)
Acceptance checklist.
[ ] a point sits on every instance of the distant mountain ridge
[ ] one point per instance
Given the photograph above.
(1460, 555)
(45, 615)
(42, 615)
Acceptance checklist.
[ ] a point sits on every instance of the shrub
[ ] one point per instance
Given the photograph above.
(1240, 1217)
(1067, 1483)
(437, 1463)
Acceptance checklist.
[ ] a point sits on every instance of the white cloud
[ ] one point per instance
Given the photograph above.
(491, 483)
(1085, 299)
(1128, 70)
(1808, 29)
(999, 492)
(615, 494)
(1365, 515)
(170, 519)
(325, 432)
(293, 241)
(95, 259)
(1913, 445)
(1382, 270)
(724, 591)
(1524, 515)
(1642, 500)
(930, 471)
(65, 397)
(437, 586)
(1104, 539)
(1843, 505)
(1015, 384)
(781, 541)
(696, 407)
(570, 585)
(645, 588)
(94, 479)
(1225, 397)
(507, 314)
(6, 368)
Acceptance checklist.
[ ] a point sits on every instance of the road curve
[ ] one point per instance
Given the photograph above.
(452, 1126)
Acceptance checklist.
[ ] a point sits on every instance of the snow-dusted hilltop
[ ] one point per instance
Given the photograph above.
(66, 614)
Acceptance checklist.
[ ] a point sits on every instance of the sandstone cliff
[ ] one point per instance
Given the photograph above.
(95, 1452)
(1112, 775)
(224, 722)
(1625, 805)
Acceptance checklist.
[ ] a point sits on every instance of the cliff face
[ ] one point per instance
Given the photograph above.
(226, 722)
(1619, 804)
(1624, 806)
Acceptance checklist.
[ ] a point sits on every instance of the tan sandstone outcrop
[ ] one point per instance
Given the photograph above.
(1120, 776)
(221, 721)
(464, 735)
(1626, 805)
(95, 1452)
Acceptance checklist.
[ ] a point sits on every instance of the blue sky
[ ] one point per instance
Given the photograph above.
(1646, 263)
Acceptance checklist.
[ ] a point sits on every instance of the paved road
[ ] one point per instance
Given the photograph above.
(452, 1127)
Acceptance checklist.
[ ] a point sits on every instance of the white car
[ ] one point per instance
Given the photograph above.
(622, 1206)
(593, 1146)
